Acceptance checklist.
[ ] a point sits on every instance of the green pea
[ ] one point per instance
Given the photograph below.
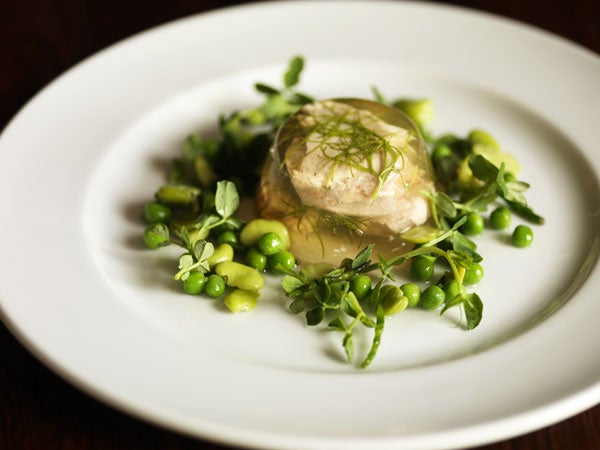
(155, 212)
(509, 176)
(451, 289)
(156, 235)
(283, 259)
(228, 237)
(256, 228)
(392, 299)
(432, 297)
(473, 274)
(360, 285)
(194, 283)
(522, 236)
(179, 194)
(421, 111)
(215, 286)
(270, 243)
(240, 276)
(421, 267)
(440, 152)
(241, 300)
(474, 224)
(412, 292)
(484, 138)
(222, 253)
(256, 260)
(500, 218)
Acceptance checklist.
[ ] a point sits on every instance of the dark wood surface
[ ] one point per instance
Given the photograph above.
(41, 39)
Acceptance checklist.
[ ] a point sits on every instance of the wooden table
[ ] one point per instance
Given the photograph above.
(41, 39)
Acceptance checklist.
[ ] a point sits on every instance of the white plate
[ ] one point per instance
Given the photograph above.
(77, 289)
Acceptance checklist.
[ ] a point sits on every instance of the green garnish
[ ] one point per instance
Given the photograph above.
(196, 211)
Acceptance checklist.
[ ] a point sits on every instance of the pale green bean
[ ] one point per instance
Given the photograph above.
(240, 276)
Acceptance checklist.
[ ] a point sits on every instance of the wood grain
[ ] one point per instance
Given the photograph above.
(41, 39)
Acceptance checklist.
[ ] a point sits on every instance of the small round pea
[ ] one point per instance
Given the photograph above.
(270, 243)
(194, 283)
(522, 236)
(474, 224)
(500, 218)
(228, 237)
(509, 176)
(432, 297)
(156, 236)
(155, 212)
(360, 285)
(451, 289)
(283, 259)
(215, 286)
(440, 152)
(240, 300)
(421, 267)
(256, 260)
(473, 274)
(412, 292)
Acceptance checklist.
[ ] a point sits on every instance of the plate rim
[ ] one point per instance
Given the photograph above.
(24, 338)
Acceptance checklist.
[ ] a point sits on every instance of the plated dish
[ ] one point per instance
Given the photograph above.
(113, 325)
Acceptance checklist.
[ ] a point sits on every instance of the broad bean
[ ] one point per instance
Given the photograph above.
(240, 276)
(393, 300)
(241, 300)
(222, 253)
(179, 194)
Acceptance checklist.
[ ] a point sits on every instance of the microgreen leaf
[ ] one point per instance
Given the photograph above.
(378, 95)
(445, 205)
(363, 257)
(297, 306)
(315, 316)
(290, 283)
(292, 75)
(473, 307)
(192, 147)
(202, 250)
(483, 169)
(227, 199)
(526, 212)
(421, 234)
(460, 257)
(159, 234)
(185, 261)
(348, 344)
(265, 89)
(350, 306)
(337, 324)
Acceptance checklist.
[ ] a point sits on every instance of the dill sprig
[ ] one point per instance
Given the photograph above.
(347, 140)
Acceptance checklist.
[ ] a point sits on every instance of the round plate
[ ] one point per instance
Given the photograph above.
(76, 286)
